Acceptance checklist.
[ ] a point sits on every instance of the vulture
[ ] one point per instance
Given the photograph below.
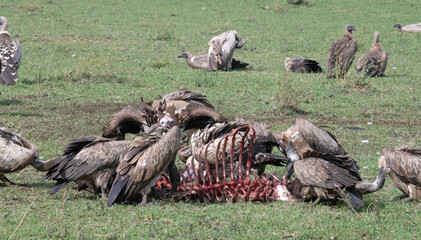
(134, 120)
(143, 163)
(202, 61)
(341, 54)
(302, 65)
(403, 164)
(317, 139)
(16, 153)
(89, 160)
(221, 50)
(212, 135)
(196, 111)
(408, 28)
(325, 176)
(373, 63)
(10, 55)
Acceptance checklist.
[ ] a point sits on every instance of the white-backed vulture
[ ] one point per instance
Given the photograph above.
(16, 153)
(374, 62)
(302, 65)
(221, 50)
(416, 27)
(90, 159)
(403, 164)
(142, 164)
(10, 55)
(196, 111)
(341, 54)
(326, 177)
(202, 61)
(317, 139)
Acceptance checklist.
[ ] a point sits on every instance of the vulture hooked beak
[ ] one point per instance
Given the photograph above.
(183, 55)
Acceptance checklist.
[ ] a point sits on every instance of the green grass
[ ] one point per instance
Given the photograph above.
(84, 60)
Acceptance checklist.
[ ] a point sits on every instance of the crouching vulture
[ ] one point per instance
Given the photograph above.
(373, 63)
(324, 176)
(202, 61)
(416, 27)
(341, 54)
(143, 163)
(16, 153)
(10, 55)
(221, 50)
(403, 164)
(302, 65)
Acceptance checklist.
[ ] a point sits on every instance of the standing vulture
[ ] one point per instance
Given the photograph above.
(92, 160)
(403, 165)
(373, 63)
(324, 176)
(202, 61)
(16, 153)
(408, 28)
(143, 163)
(10, 55)
(341, 54)
(302, 65)
(221, 50)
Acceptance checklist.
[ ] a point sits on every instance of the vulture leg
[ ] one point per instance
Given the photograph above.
(399, 197)
(260, 169)
(316, 202)
(174, 176)
(144, 199)
(104, 194)
(6, 181)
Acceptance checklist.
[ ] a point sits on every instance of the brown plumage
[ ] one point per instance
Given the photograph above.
(329, 177)
(221, 50)
(341, 54)
(302, 65)
(10, 55)
(16, 153)
(374, 62)
(316, 138)
(142, 164)
(194, 108)
(131, 120)
(90, 159)
(416, 27)
(403, 165)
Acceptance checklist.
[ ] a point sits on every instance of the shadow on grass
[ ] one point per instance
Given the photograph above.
(9, 102)
(20, 114)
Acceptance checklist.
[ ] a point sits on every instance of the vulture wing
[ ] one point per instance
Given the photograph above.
(405, 162)
(10, 53)
(346, 56)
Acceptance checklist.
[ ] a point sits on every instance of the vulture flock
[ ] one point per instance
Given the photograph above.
(184, 124)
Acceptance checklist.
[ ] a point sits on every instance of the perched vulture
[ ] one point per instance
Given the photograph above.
(10, 55)
(403, 165)
(373, 63)
(134, 120)
(195, 110)
(16, 153)
(316, 139)
(143, 163)
(221, 50)
(202, 61)
(91, 160)
(341, 54)
(302, 65)
(408, 28)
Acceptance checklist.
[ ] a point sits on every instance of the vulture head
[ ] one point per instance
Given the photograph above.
(399, 26)
(3, 23)
(185, 55)
(349, 28)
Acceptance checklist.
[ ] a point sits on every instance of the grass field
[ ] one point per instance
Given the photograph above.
(84, 60)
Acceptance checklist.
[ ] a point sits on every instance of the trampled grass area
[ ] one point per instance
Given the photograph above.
(84, 60)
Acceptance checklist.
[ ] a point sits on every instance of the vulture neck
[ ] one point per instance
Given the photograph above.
(376, 45)
(348, 35)
(3, 24)
(366, 188)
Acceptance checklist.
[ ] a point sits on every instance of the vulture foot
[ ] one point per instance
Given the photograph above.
(6, 181)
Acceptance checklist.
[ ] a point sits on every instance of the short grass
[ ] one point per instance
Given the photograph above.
(84, 60)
